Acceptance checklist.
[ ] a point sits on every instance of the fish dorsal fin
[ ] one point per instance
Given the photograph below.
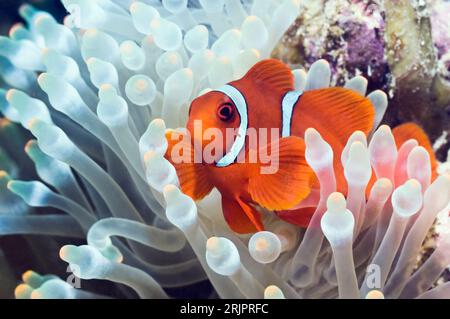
(272, 74)
(410, 130)
(193, 177)
(289, 183)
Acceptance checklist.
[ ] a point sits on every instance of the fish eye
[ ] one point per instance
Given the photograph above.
(225, 112)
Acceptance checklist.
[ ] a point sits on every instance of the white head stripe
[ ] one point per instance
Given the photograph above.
(289, 101)
(241, 105)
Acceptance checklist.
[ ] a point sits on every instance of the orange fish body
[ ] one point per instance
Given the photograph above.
(265, 99)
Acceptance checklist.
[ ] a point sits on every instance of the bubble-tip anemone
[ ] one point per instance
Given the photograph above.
(111, 79)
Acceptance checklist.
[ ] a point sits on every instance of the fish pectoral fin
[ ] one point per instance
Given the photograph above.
(193, 177)
(407, 131)
(241, 217)
(289, 179)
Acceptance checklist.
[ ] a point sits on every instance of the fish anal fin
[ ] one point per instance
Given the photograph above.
(300, 217)
(193, 177)
(240, 216)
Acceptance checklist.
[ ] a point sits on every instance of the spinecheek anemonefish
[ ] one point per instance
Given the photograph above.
(265, 98)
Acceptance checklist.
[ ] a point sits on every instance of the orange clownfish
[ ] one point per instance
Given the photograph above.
(265, 98)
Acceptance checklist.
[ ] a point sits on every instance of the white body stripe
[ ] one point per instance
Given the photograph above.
(288, 103)
(241, 105)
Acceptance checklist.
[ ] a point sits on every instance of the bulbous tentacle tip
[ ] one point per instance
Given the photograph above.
(142, 16)
(67, 253)
(383, 152)
(85, 262)
(407, 199)
(382, 188)
(27, 108)
(418, 166)
(379, 101)
(213, 244)
(43, 22)
(31, 281)
(12, 95)
(319, 75)
(15, 186)
(336, 203)
(29, 276)
(357, 169)
(23, 291)
(322, 63)
(299, 79)
(358, 84)
(312, 135)
(107, 92)
(222, 256)
(319, 153)
(170, 190)
(384, 131)
(30, 146)
(357, 136)
(54, 289)
(437, 196)
(154, 138)
(34, 193)
(338, 222)
(264, 247)
(158, 125)
(45, 80)
(375, 294)
(141, 90)
(273, 292)
(4, 176)
(51, 139)
(181, 210)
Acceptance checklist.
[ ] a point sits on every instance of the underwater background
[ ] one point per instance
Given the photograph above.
(84, 183)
